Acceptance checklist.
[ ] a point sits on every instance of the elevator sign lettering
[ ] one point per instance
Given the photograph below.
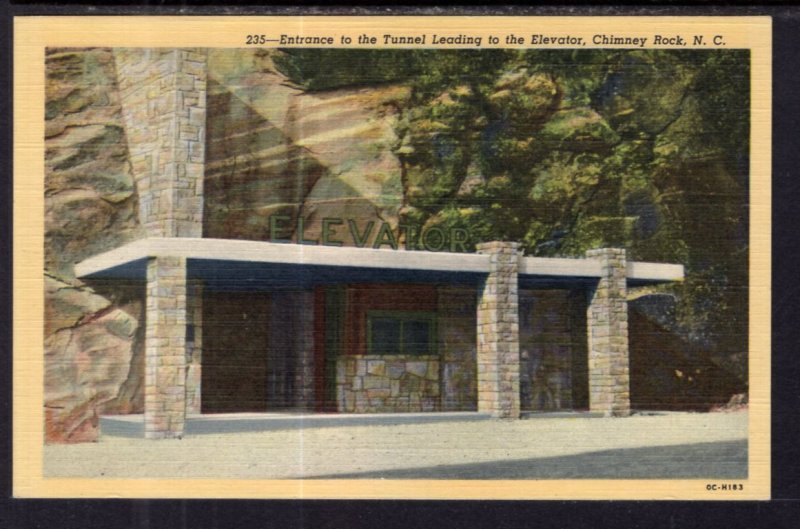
(370, 234)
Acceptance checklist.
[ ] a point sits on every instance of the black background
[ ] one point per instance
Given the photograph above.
(783, 511)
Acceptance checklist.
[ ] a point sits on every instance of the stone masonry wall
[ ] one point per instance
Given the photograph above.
(498, 332)
(387, 383)
(164, 109)
(165, 348)
(607, 319)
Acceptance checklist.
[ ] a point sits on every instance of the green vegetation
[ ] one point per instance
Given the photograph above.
(569, 150)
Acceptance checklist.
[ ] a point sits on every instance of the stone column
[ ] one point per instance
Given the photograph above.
(165, 348)
(163, 94)
(498, 332)
(607, 320)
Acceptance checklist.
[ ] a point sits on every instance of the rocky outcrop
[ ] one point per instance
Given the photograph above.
(90, 197)
(90, 207)
(667, 371)
(274, 149)
(88, 352)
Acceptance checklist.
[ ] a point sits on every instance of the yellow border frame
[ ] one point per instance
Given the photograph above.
(33, 34)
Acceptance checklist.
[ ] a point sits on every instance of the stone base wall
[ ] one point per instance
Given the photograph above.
(387, 383)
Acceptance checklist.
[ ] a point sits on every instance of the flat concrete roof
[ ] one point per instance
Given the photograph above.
(128, 260)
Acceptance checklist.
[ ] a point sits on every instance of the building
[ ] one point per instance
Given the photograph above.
(345, 320)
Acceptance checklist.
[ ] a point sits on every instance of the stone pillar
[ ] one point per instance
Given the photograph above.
(194, 346)
(163, 94)
(498, 332)
(607, 321)
(165, 348)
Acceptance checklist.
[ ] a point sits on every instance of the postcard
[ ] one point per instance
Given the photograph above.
(420, 257)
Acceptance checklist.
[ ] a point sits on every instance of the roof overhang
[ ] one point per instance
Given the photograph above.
(238, 260)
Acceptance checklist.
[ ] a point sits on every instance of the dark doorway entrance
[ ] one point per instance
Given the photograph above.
(553, 350)
(235, 352)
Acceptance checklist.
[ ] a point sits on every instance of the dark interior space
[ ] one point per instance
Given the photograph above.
(667, 373)
(235, 346)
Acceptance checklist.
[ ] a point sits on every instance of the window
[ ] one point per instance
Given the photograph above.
(400, 333)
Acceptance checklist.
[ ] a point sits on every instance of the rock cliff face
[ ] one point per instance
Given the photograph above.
(90, 207)
(668, 372)
(274, 149)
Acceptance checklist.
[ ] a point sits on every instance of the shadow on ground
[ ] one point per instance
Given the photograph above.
(718, 460)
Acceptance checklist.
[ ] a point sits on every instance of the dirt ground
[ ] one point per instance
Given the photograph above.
(666, 445)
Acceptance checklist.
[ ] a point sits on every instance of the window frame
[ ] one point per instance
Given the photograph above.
(403, 316)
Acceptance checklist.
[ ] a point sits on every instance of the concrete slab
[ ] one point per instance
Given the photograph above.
(128, 260)
(221, 423)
